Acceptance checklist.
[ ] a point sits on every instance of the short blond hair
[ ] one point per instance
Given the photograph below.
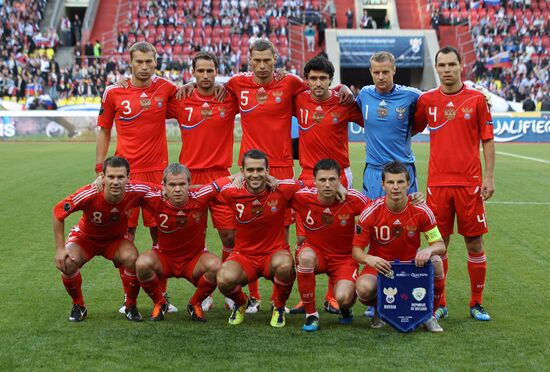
(143, 47)
(382, 57)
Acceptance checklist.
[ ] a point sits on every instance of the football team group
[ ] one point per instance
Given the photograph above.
(253, 209)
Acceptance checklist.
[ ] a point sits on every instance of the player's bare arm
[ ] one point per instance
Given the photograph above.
(61, 253)
(378, 263)
(488, 187)
(187, 89)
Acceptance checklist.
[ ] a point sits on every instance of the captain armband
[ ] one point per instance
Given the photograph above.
(433, 235)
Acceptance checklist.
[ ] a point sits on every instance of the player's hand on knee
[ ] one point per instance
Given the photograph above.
(418, 198)
(185, 91)
(61, 257)
(422, 257)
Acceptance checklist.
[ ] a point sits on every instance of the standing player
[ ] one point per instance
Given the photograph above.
(139, 114)
(459, 119)
(391, 228)
(323, 125)
(329, 226)
(100, 232)
(261, 248)
(388, 111)
(181, 217)
(207, 139)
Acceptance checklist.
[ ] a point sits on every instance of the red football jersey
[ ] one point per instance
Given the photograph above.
(259, 227)
(140, 118)
(100, 219)
(324, 129)
(457, 123)
(266, 115)
(330, 228)
(393, 236)
(206, 130)
(182, 230)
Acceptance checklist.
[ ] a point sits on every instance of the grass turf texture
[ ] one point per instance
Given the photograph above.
(34, 307)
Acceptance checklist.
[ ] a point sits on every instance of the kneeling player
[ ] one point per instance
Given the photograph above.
(181, 217)
(260, 249)
(329, 226)
(100, 232)
(392, 226)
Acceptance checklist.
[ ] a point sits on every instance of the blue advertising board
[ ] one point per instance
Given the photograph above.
(355, 51)
(512, 127)
(405, 297)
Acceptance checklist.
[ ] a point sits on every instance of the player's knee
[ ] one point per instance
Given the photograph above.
(345, 298)
(285, 267)
(212, 265)
(437, 264)
(365, 289)
(71, 267)
(225, 277)
(144, 265)
(474, 243)
(306, 258)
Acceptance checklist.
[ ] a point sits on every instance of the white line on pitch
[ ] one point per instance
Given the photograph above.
(523, 157)
(517, 203)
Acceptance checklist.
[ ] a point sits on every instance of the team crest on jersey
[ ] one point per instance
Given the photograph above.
(196, 216)
(278, 94)
(397, 231)
(114, 216)
(181, 218)
(400, 111)
(261, 96)
(318, 115)
(335, 117)
(159, 101)
(145, 103)
(450, 113)
(256, 207)
(206, 111)
(343, 219)
(273, 205)
(467, 112)
(411, 230)
(382, 109)
(222, 112)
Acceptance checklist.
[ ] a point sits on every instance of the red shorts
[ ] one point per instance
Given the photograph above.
(94, 247)
(148, 218)
(255, 266)
(222, 215)
(307, 176)
(173, 268)
(337, 267)
(465, 202)
(368, 270)
(282, 173)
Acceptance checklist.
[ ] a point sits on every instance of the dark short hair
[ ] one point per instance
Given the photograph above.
(395, 167)
(206, 56)
(319, 63)
(446, 50)
(262, 44)
(326, 164)
(175, 169)
(116, 162)
(254, 154)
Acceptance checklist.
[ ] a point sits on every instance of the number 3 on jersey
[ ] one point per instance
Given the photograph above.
(127, 108)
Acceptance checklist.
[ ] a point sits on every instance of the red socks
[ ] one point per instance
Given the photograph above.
(73, 285)
(254, 289)
(281, 291)
(204, 288)
(130, 283)
(237, 295)
(153, 289)
(439, 290)
(477, 267)
(306, 287)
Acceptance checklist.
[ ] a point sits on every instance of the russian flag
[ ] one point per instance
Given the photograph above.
(499, 60)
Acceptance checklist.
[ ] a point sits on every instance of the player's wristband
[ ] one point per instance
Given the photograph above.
(99, 168)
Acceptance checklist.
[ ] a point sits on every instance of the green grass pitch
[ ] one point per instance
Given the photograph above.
(36, 335)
